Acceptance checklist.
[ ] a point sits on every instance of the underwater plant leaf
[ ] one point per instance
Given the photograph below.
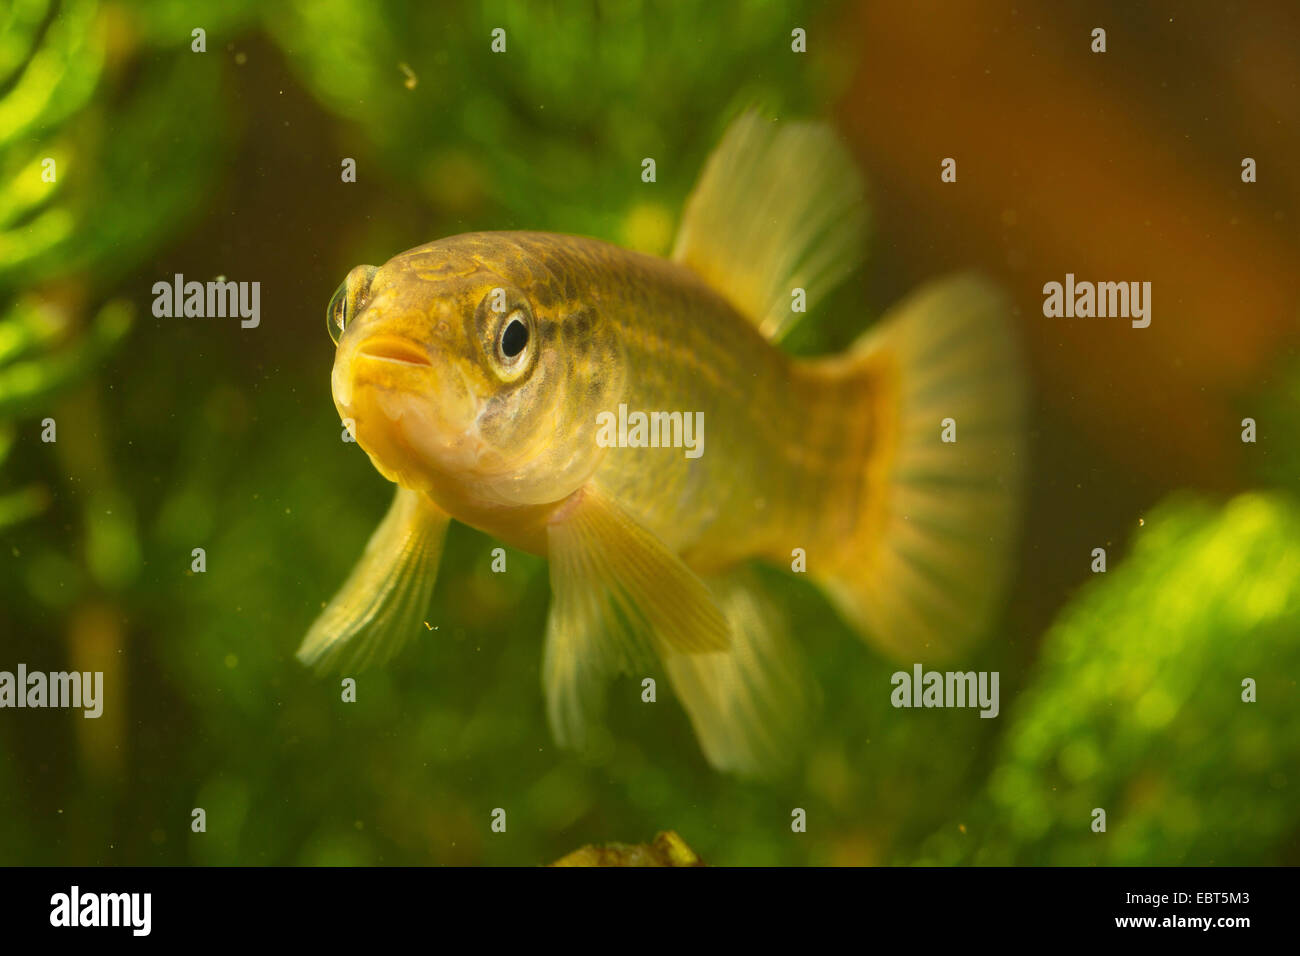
(538, 127)
(29, 325)
(57, 78)
(17, 506)
(156, 168)
(1137, 706)
(23, 188)
(26, 384)
(123, 177)
(169, 23)
(21, 25)
(667, 849)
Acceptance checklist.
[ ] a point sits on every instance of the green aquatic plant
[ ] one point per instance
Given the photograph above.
(99, 164)
(89, 189)
(1165, 696)
(667, 849)
(540, 115)
(39, 360)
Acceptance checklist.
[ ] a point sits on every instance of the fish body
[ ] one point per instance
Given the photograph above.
(647, 333)
(484, 374)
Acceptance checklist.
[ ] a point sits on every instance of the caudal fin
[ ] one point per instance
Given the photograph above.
(922, 574)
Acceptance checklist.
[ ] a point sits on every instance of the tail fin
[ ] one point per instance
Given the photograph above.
(927, 565)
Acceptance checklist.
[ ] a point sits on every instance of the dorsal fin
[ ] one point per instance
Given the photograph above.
(778, 207)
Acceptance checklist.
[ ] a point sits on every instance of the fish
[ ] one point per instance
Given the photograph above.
(479, 373)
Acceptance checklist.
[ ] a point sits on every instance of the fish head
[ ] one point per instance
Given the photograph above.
(464, 372)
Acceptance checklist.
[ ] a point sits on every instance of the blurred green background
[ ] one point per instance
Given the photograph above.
(1120, 691)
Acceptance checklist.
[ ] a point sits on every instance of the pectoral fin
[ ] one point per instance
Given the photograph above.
(383, 601)
(621, 597)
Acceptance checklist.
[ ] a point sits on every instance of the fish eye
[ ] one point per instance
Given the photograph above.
(512, 352)
(336, 314)
(508, 339)
(514, 337)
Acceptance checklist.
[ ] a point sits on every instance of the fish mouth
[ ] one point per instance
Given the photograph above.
(395, 350)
